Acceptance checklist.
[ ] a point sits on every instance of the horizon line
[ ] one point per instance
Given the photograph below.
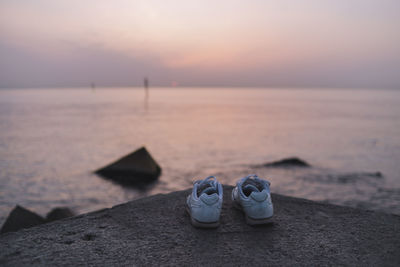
(138, 87)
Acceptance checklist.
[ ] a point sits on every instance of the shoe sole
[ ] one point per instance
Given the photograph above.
(249, 220)
(199, 224)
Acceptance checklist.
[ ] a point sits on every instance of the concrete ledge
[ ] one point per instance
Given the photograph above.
(156, 231)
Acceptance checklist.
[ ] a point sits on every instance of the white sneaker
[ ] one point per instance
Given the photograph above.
(205, 203)
(252, 195)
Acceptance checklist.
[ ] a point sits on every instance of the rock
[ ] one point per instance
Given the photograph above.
(286, 163)
(20, 218)
(137, 168)
(366, 178)
(156, 230)
(58, 214)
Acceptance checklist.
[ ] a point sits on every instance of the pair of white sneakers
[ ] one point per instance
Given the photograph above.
(251, 194)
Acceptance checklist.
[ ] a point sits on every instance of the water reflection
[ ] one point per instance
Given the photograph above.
(50, 140)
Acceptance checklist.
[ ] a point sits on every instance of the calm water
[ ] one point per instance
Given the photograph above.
(51, 140)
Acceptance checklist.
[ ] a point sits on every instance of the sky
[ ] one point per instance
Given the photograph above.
(258, 43)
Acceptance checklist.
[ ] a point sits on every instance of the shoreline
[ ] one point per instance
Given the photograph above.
(156, 230)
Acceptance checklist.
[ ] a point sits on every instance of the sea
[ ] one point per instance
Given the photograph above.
(51, 141)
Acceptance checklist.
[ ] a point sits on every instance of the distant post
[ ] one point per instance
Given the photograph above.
(146, 92)
(146, 86)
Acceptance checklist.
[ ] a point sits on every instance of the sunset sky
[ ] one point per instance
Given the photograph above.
(304, 43)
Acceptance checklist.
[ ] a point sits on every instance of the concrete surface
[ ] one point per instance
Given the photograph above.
(156, 231)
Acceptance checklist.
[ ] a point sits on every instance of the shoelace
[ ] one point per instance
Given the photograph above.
(250, 187)
(250, 176)
(211, 180)
(255, 176)
(207, 180)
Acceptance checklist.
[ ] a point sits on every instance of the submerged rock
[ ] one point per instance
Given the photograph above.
(288, 162)
(137, 168)
(20, 218)
(59, 213)
(370, 178)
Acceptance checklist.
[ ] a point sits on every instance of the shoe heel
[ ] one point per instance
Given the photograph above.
(252, 221)
(198, 224)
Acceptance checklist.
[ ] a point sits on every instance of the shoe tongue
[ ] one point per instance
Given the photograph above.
(248, 189)
(209, 190)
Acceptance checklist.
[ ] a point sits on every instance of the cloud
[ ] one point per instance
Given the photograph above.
(78, 66)
(81, 65)
(229, 43)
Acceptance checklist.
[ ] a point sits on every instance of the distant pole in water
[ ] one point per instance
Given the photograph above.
(93, 85)
(146, 85)
(146, 92)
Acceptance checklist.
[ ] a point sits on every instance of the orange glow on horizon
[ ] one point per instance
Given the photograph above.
(207, 36)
